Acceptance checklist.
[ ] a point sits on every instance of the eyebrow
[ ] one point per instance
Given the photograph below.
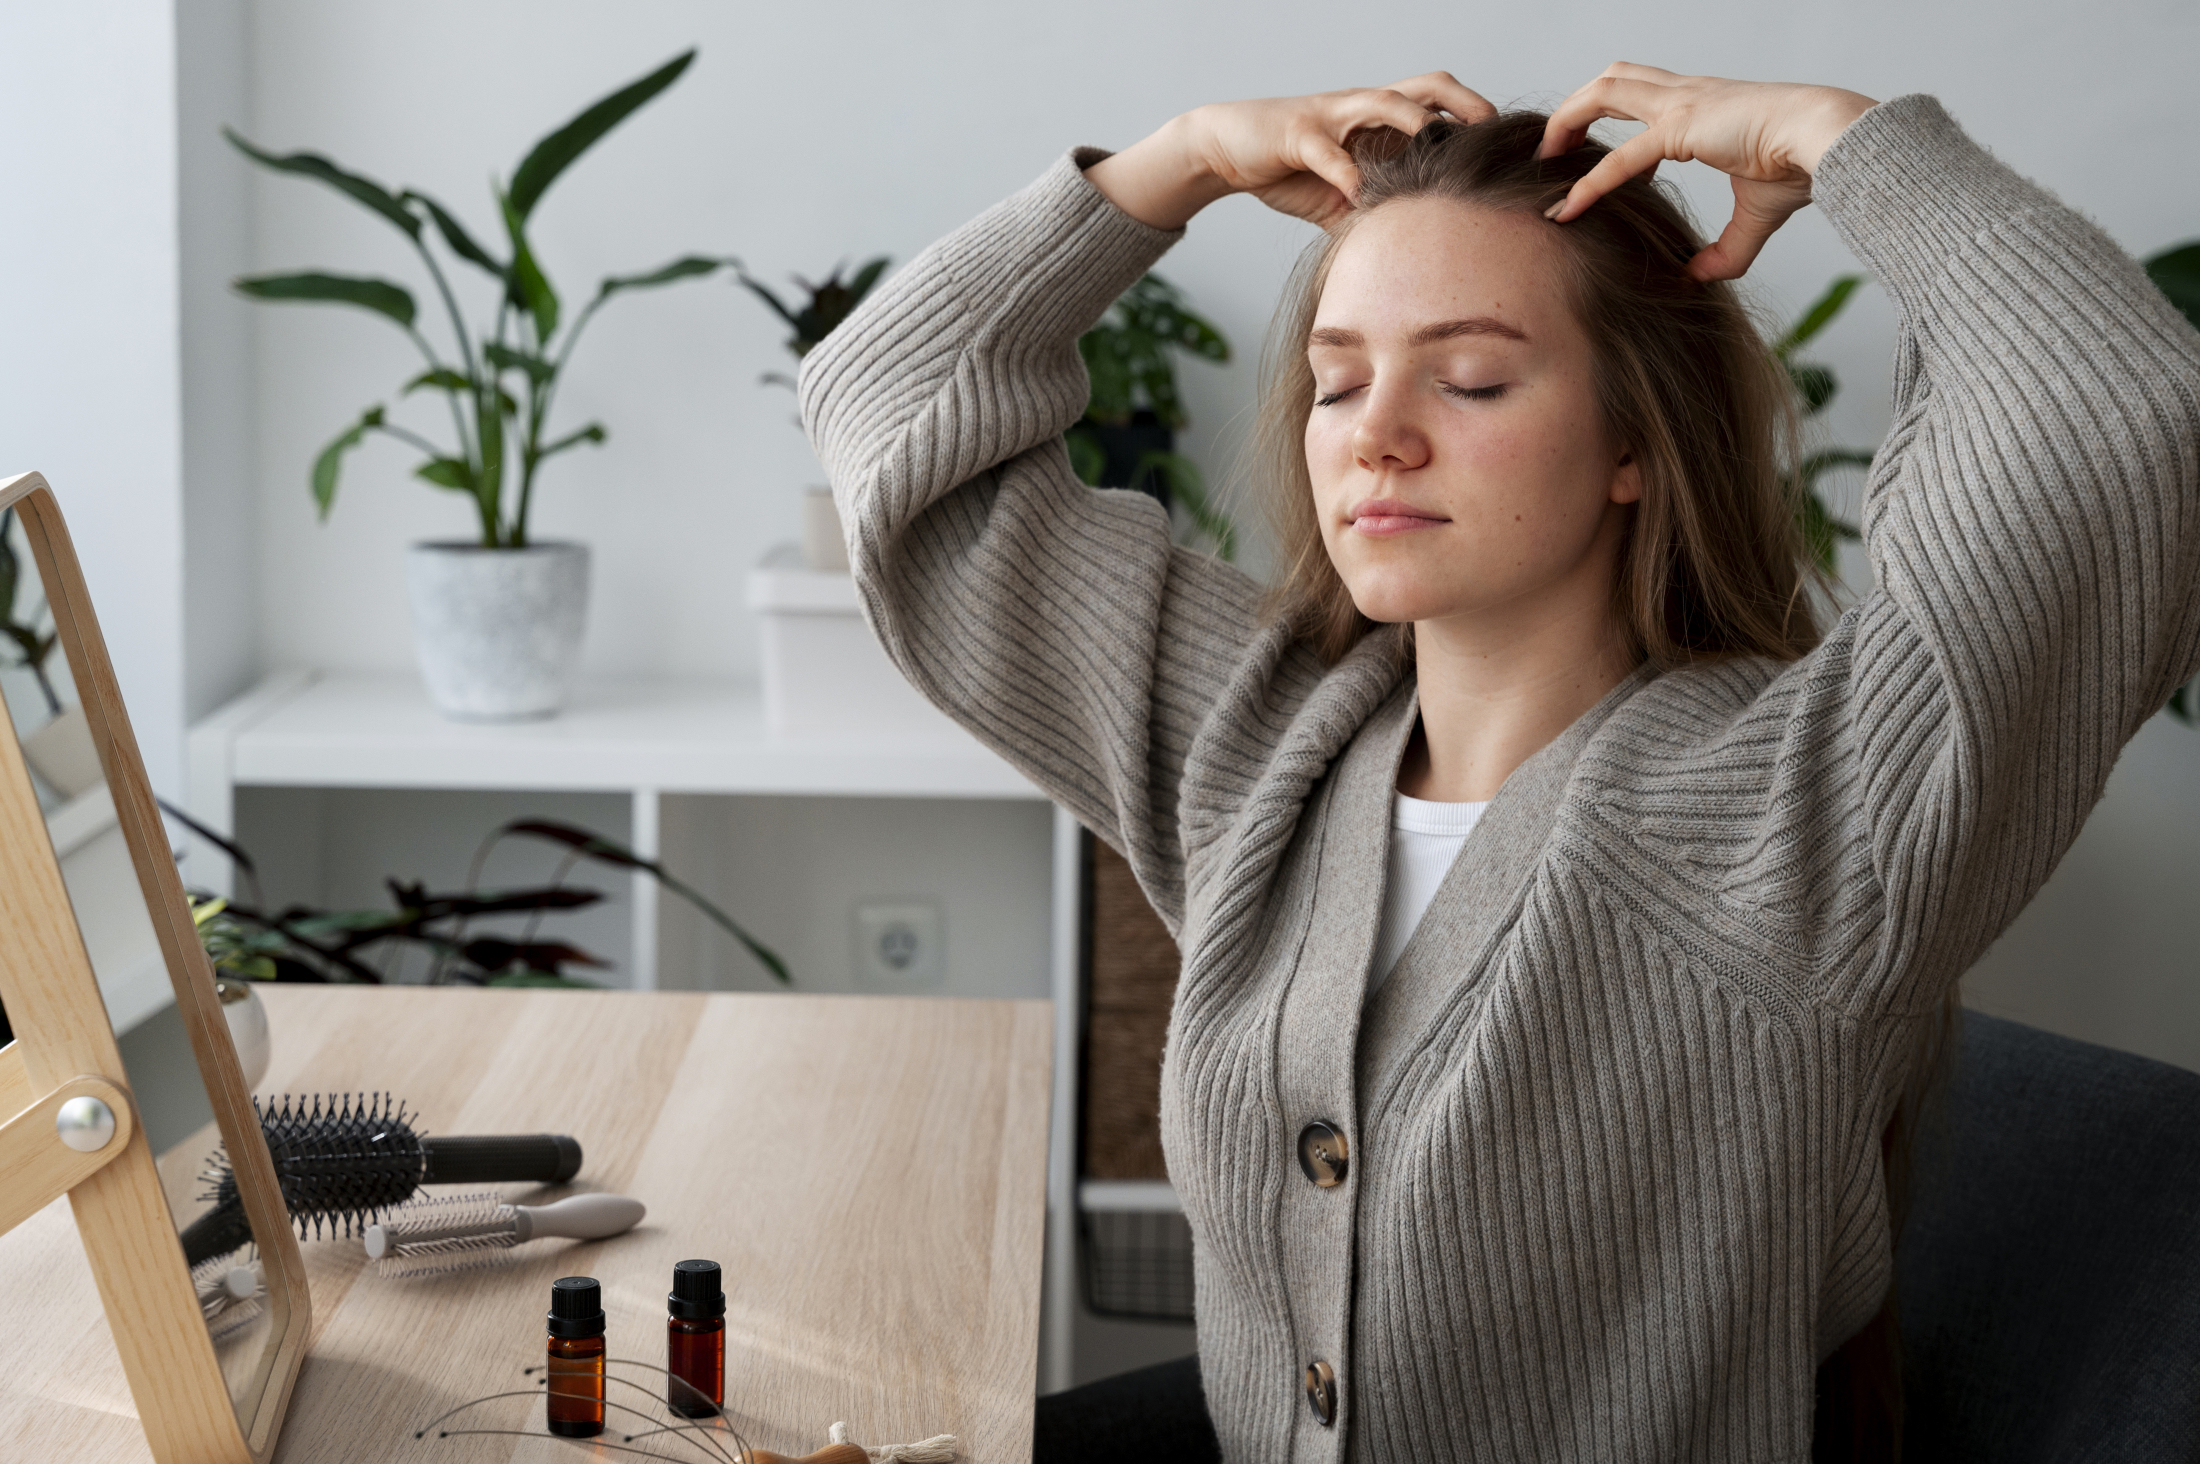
(1427, 335)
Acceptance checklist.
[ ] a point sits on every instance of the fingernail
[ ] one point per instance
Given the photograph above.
(1555, 210)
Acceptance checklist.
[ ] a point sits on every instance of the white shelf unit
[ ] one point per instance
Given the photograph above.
(644, 739)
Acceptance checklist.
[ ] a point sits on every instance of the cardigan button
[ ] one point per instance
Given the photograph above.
(1324, 1154)
(1321, 1392)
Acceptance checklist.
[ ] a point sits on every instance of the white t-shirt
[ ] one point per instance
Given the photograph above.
(1425, 838)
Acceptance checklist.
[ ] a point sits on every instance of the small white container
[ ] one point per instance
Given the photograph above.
(824, 672)
(497, 630)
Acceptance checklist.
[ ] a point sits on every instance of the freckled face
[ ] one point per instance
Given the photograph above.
(1458, 457)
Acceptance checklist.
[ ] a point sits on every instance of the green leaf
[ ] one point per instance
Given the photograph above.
(2181, 703)
(595, 846)
(442, 378)
(454, 233)
(313, 165)
(1816, 386)
(380, 296)
(828, 305)
(555, 153)
(1819, 315)
(1188, 488)
(1087, 458)
(325, 466)
(537, 369)
(447, 473)
(2176, 273)
(593, 432)
(531, 286)
(686, 268)
(1130, 355)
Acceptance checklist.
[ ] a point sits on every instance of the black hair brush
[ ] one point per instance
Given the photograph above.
(342, 1160)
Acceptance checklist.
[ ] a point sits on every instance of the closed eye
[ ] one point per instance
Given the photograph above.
(1334, 397)
(1475, 393)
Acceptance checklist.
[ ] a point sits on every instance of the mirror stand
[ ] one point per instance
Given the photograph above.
(77, 1122)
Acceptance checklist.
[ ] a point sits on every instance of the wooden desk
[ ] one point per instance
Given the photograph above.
(870, 1171)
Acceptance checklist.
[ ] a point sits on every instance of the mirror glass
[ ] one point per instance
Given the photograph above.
(111, 907)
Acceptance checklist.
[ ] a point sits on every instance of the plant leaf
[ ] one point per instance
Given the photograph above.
(442, 378)
(2181, 703)
(380, 296)
(331, 459)
(2176, 273)
(1087, 458)
(593, 432)
(764, 293)
(535, 366)
(454, 233)
(447, 473)
(685, 268)
(596, 847)
(313, 165)
(1819, 315)
(1816, 386)
(555, 153)
(528, 280)
(1188, 488)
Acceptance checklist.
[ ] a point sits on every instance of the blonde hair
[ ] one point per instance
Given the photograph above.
(1715, 562)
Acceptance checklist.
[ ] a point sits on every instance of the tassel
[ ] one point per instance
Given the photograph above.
(939, 1449)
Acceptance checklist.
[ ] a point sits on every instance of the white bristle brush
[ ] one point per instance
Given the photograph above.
(231, 1293)
(454, 1233)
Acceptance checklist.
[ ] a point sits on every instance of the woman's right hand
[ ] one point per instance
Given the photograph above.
(1289, 152)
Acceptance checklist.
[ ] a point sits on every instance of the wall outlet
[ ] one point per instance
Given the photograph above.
(901, 946)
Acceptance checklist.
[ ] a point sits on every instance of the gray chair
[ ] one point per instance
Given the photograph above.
(2050, 1265)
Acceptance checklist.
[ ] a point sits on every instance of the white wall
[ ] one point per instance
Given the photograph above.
(89, 323)
(810, 134)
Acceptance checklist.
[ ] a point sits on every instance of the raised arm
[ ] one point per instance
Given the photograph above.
(2033, 519)
(1056, 622)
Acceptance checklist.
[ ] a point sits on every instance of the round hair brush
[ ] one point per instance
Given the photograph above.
(342, 1160)
(458, 1232)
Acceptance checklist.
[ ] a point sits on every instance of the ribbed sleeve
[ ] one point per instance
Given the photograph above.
(1056, 621)
(2033, 522)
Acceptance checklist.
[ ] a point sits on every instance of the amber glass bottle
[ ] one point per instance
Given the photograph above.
(695, 1341)
(574, 1385)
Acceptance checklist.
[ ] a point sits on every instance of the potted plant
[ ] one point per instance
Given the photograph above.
(824, 547)
(497, 618)
(1127, 437)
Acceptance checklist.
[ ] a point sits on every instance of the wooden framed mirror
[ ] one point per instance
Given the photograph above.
(118, 1086)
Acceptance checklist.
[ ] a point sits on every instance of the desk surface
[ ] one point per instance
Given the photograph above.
(868, 1170)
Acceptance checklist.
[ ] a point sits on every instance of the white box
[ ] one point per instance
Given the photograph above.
(824, 672)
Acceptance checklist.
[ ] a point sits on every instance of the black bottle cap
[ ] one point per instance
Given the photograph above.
(576, 1307)
(697, 1295)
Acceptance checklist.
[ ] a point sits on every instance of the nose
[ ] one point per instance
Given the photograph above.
(1388, 437)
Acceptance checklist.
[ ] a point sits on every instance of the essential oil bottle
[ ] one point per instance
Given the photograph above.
(695, 1341)
(575, 1375)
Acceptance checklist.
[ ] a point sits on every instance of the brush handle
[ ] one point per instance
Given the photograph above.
(500, 1159)
(830, 1454)
(579, 1217)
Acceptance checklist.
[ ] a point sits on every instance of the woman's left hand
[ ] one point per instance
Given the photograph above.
(1768, 137)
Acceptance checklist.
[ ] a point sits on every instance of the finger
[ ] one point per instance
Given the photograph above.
(1637, 155)
(1623, 97)
(1631, 71)
(1327, 160)
(1729, 256)
(1378, 107)
(1441, 91)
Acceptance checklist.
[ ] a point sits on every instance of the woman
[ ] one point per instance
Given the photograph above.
(1572, 1148)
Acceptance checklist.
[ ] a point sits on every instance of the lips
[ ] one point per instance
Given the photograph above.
(1384, 517)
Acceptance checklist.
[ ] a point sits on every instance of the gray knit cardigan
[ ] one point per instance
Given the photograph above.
(1615, 1185)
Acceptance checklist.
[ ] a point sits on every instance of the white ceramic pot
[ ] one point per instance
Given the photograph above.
(247, 1018)
(824, 542)
(497, 629)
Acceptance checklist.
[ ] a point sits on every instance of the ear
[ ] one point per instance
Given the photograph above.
(1626, 480)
